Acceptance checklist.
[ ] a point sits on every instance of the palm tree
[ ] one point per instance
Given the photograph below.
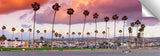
(103, 32)
(73, 33)
(143, 26)
(108, 37)
(130, 32)
(37, 34)
(3, 28)
(30, 30)
(35, 7)
(88, 33)
(45, 31)
(138, 37)
(79, 33)
(95, 16)
(120, 31)
(41, 38)
(132, 25)
(106, 19)
(70, 12)
(13, 29)
(137, 23)
(55, 7)
(56, 34)
(115, 18)
(124, 18)
(22, 30)
(86, 13)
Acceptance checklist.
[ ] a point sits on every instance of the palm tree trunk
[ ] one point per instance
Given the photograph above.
(12, 39)
(53, 30)
(106, 35)
(83, 30)
(21, 39)
(95, 32)
(143, 40)
(34, 29)
(29, 39)
(137, 38)
(69, 29)
(123, 34)
(108, 39)
(114, 32)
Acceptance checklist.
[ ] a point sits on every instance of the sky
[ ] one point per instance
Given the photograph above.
(19, 14)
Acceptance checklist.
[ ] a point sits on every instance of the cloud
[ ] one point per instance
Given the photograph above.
(7, 6)
(26, 26)
(132, 9)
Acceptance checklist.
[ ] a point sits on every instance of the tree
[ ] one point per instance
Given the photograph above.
(130, 32)
(95, 16)
(132, 25)
(13, 29)
(55, 7)
(70, 12)
(37, 33)
(103, 32)
(73, 33)
(124, 18)
(22, 30)
(88, 33)
(3, 28)
(56, 34)
(106, 19)
(137, 23)
(143, 26)
(79, 33)
(3, 38)
(86, 13)
(115, 18)
(35, 7)
(30, 30)
(16, 38)
(45, 31)
(41, 38)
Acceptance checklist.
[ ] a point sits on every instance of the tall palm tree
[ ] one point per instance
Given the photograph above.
(143, 26)
(70, 12)
(3, 28)
(137, 23)
(132, 25)
(55, 7)
(115, 18)
(124, 18)
(103, 32)
(45, 31)
(37, 34)
(129, 31)
(86, 13)
(106, 19)
(73, 33)
(35, 7)
(95, 16)
(120, 31)
(30, 30)
(22, 30)
(108, 37)
(79, 33)
(13, 29)
(88, 33)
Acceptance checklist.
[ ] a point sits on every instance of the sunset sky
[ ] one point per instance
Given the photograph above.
(19, 14)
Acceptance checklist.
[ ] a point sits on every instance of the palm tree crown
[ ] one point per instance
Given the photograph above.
(73, 33)
(13, 29)
(115, 17)
(106, 19)
(79, 33)
(30, 30)
(86, 12)
(60, 35)
(96, 31)
(130, 29)
(56, 34)
(38, 31)
(120, 31)
(103, 32)
(56, 6)
(22, 30)
(124, 18)
(143, 26)
(45, 31)
(4, 27)
(70, 11)
(36, 6)
(95, 15)
(137, 22)
(132, 24)
(88, 33)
